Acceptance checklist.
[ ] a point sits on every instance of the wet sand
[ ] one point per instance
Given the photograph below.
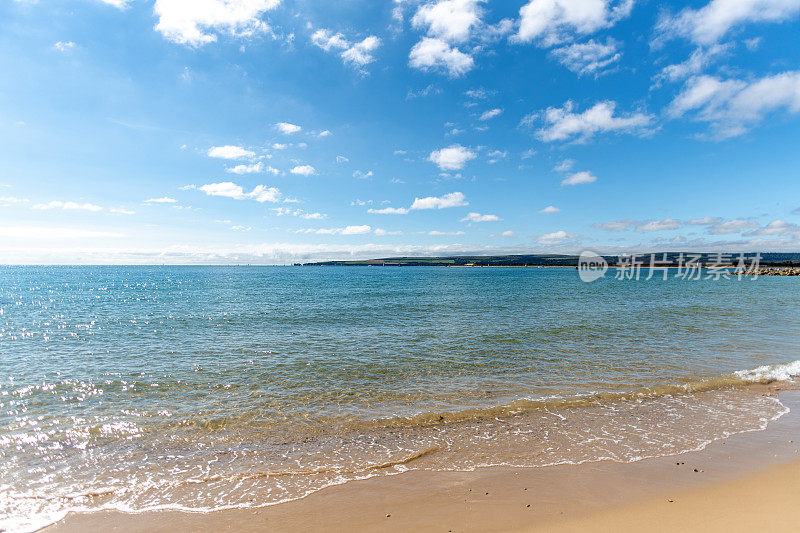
(740, 483)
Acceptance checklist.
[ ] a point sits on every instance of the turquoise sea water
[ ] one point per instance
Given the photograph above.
(209, 387)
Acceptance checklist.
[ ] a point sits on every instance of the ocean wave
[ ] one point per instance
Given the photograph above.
(770, 373)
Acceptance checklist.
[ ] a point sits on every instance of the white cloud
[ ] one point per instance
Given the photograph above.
(230, 152)
(429, 90)
(279, 146)
(491, 113)
(449, 20)
(477, 217)
(324, 133)
(565, 165)
(341, 159)
(590, 58)
(615, 225)
(64, 46)
(357, 54)
(362, 175)
(284, 211)
(578, 178)
(454, 157)
(381, 232)
(777, 227)
(711, 22)
(555, 238)
(453, 199)
(67, 206)
(288, 128)
(241, 228)
(119, 4)
(255, 168)
(121, 211)
(198, 22)
(496, 155)
(699, 60)
(260, 193)
(732, 226)
(508, 233)
(659, 225)
(389, 211)
(562, 124)
(550, 22)
(437, 55)
(303, 170)
(549, 210)
(360, 53)
(440, 233)
(731, 107)
(12, 200)
(162, 200)
(356, 230)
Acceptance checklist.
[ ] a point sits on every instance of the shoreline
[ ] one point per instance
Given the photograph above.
(604, 496)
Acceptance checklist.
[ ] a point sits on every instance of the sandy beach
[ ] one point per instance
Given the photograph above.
(746, 481)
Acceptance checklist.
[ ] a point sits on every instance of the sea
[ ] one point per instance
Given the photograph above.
(200, 388)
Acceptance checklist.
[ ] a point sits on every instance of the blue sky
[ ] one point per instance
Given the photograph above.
(269, 131)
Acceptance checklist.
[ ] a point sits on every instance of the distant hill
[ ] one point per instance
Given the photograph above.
(767, 259)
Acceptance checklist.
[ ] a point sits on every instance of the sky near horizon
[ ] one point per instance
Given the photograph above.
(273, 131)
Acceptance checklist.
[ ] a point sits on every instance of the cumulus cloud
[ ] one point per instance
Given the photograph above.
(260, 193)
(437, 55)
(659, 225)
(550, 22)
(454, 157)
(285, 211)
(590, 58)
(357, 54)
(732, 226)
(449, 20)
(714, 20)
(776, 227)
(698, 61)
(615, 225)
(255, 168)
(563, 124)
(508, 233)
(578, 178)
(303, 170)
(388, 211)
(550, 209)
(358, 174)
(731, 106)
(162, 200)
(438, 233)
(453, 199)
(287, 128)
(348, 230)
(12, 200)
(198, 22)
(64, 46)
(230, 152)
(491, 113)
(555, 238)
(120, 4)
(714, 225)
(477, 217)
(67, 206)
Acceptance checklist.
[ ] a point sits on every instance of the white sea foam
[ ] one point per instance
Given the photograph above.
(767, 373)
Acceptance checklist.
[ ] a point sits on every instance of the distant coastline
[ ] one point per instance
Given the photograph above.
(767, 259)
